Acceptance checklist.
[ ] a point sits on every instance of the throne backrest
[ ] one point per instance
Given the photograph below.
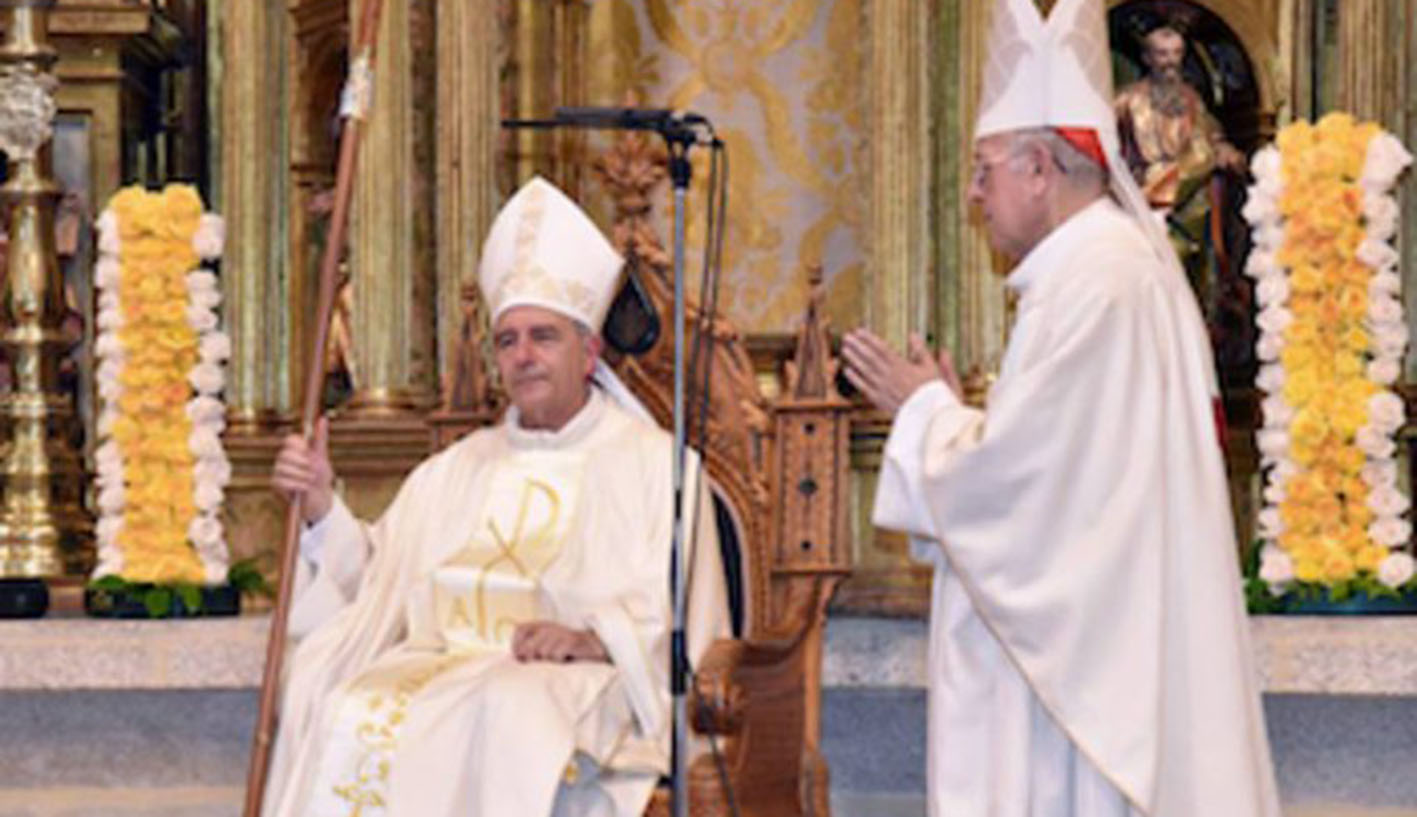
(778, 465)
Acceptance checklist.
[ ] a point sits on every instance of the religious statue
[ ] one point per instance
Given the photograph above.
(1173, 145)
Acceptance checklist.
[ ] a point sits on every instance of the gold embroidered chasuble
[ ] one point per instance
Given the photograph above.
(403, 698)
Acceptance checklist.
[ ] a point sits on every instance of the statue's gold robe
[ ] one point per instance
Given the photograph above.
(402, 697)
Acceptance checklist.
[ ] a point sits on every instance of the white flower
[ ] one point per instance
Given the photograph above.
(206, 411)
(215, 571)
(111, 498)
(1270, 236)
(200, 280)
(1388, 500)
(1386, 160)
(1382, 215)
(1390, 338)
(1386, 282)
(108, 241)
(110, 562)
(108, 300)
(216, 347)
(206, 299)
(1274, 493)
(1269, 346)
(1376, 254)
(110, 319)
(1384, 371)
(1260, 210)
(1274, 318)
(1272, 290)
(1386, 411)
(206, 378)
(1390, 532)
(1270, 378)
(1262, 263)
(1266, 164)
(1396, 570)
(201, 318)
(1384, 309)
(1285, 469)
(108, 456)
(106, 530)
(106, 272)
(1375, 443)
(1380, 474)
(107, 345)
(108, 371)
(212, 471)
(1276, 568)
(208, 496)
(1270, 523)
(204, 530)
(210, 236)
(204, 443)
(1273, 442)
(107, 221)
(1277, 411)
(106, 420)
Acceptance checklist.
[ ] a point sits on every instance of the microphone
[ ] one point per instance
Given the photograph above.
(624, 118)
(677, 127)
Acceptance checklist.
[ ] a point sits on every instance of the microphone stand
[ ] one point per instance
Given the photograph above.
(680, 133)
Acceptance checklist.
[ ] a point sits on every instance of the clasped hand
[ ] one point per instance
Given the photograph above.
(888, 378)
(549, 641)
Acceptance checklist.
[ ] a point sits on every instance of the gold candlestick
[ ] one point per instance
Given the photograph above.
(44, 530)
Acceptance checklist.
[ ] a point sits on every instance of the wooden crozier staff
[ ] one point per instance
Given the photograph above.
(354, 108)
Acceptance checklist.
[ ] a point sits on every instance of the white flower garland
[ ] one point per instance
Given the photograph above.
(1385, 322)
(205, 409)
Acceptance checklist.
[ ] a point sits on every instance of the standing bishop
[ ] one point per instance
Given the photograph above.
(496, 644)
(1089, 651)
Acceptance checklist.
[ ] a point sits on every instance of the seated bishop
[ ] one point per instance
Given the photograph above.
(496, 644)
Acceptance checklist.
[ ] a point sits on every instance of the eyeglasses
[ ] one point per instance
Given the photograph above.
(983, 167)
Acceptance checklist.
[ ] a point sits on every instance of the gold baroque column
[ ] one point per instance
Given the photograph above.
(391, 240)
(982, 323)
(899, 281)
(251, 159)
(469, 110)
(1371, 34)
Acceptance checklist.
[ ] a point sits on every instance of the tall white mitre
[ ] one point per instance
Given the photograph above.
(543, 250)
(1058, 73)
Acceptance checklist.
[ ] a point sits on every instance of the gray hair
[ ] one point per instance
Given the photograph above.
(1077, 167)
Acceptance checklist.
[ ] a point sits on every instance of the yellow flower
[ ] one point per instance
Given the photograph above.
(1337, 566)
(1369, 557)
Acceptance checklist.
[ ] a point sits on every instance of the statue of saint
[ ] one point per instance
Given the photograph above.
(1169, 139)
(1179, 155)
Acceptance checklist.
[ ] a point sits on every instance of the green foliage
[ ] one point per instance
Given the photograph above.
(246, 577)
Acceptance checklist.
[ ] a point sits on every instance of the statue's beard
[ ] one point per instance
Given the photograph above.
(1168, 93)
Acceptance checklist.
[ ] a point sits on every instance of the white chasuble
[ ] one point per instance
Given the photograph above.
(1089, 652)
(402, 698)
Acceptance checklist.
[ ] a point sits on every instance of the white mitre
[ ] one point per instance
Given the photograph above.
(543, 250)
(1058, 73)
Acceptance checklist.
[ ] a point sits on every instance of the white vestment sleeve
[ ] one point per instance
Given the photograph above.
(333, 554)
(934, 413)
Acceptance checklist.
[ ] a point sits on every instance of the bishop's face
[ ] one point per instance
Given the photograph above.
(545, 360)
(1008, 191)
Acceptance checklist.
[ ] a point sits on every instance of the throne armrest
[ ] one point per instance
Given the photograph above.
(736, 675)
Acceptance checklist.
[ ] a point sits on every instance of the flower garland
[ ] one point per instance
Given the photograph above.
(161, 470)
(1332, 336)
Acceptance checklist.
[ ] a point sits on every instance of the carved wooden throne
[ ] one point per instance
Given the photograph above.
(779, 469)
